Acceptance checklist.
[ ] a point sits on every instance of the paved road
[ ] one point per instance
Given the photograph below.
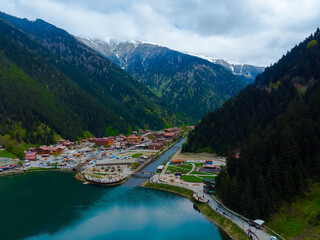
(261, 235)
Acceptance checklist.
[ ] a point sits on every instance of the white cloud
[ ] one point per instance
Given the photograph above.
(250, 31)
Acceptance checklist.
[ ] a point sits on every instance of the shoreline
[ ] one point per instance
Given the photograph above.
(228, 227)
(80, 177)
(6, 174)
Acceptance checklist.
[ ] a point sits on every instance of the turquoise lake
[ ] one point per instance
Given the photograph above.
(54, 205)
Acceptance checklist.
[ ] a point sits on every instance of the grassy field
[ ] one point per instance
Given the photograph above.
(230, 228)
(300, 219)
(185, 168)
(196, 179)
(136, 155)
(198, 164)
(7, 154)
(213, 177)
(201, 173)
(190, 178)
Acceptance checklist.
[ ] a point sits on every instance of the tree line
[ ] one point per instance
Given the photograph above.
(275, 126)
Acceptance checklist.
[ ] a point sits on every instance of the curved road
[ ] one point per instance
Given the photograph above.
(261, 235)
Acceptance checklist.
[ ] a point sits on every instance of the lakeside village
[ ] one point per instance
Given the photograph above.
(106, 160)
(112, 160)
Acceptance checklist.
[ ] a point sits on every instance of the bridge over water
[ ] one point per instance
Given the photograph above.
(144, 174)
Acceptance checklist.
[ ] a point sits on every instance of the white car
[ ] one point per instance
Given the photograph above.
(273, 238)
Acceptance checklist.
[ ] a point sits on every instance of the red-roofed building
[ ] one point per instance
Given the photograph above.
(61, 141)
(43, 150)
(155, 146)
(134, 138)
(68, 144)
(170, 135)
(159, 134)
(32, 156)
(103, 141)
(169, 130)
(177, 161)
(57, 150)
(160, 140)
(12, 166)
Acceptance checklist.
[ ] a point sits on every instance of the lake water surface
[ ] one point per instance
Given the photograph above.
(53, 205)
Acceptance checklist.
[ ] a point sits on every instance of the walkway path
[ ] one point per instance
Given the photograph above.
(193, 167)
(198, 188)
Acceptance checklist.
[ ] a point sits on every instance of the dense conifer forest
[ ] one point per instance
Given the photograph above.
(274, 125)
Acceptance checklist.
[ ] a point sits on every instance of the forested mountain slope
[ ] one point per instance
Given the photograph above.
(275, 125)
(191, 84)
(68, 86)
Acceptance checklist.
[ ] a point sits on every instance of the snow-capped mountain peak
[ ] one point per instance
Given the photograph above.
(245, 71)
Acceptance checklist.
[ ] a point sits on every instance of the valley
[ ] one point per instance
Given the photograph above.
(100, 138)
(191, 84)
(109, 161)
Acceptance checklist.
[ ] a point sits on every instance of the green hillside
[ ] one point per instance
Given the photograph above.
(300, 219)
(274, 125)
(101, 78)
(71, 92)
(190, 84)
(195, 88)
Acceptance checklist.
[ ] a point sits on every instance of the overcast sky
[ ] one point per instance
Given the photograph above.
(258, 32)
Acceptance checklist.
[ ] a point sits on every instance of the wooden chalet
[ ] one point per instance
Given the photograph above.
(177, 161)
(57, 150)
(155, 146)
(103, 141)
(134, 138)
(43, 150)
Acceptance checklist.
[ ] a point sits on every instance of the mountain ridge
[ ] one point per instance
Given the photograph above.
(116, 100)
(191, 84)
(247, 72)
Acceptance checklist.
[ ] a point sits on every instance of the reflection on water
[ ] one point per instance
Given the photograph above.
(53, 205)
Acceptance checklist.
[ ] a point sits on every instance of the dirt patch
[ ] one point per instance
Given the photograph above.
(198, 156)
